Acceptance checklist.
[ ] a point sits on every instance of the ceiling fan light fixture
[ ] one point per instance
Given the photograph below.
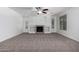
(39, 12)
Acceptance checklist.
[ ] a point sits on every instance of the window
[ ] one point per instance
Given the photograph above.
(63, 22)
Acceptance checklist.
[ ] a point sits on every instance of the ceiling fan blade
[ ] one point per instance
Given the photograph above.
(44, 12)
(38, 8)
(45, 9)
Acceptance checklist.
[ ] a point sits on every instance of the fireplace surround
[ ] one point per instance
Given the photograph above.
(39, 29)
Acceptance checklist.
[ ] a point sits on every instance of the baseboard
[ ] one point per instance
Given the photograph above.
(71, 37)
(8, 37)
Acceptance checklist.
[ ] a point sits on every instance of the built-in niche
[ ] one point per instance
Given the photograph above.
(63, 22)
(26, 24)
(52, 22)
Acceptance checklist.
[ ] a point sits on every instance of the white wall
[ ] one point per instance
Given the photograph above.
(11, 23)
(72, 23)
(44, 20)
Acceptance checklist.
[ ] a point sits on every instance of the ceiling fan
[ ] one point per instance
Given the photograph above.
(41, 10)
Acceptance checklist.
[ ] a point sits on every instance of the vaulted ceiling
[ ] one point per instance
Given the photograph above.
(28, 11)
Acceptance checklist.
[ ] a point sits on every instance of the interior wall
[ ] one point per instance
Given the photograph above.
(11, 23)
(44, 20)
(72, 23)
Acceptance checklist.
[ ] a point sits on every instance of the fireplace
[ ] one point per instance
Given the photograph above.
(39, 29)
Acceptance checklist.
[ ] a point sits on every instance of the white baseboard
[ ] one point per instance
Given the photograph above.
(8, 37)
(71, 37)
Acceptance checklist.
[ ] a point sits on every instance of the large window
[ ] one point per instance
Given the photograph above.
(63, 22)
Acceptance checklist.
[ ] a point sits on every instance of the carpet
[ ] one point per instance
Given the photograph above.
(39, 42)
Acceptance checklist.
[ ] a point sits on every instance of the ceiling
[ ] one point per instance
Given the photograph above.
(28, 11)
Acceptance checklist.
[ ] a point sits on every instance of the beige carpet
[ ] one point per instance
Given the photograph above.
(39, 43)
